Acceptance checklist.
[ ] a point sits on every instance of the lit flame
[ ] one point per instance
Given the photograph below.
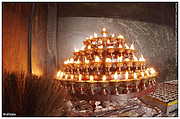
(91, 37)
(147, 72)
(78, 61)
(100, 41)
(67, 61)
(91, 78)
(115, 76)
(108, 41)
(135, 58)
(108, 60)
(76, 50)
(141, 58)
(95, 35)
(120, 59)
(104, 78)
(71, 60)
(127, 59)
(66, 76)
(97, 59)
(121, 37)
(87, 38)
(126, 75)
(104, 29)
(132, 47)
(101, 46)
(72, 76)
(80, 77)
(62, 74)
(126, 46)
(113, 60)
(89, 46)
(83, 47)
(58, 74)
(86, 61)
(120, 46)
(110, 47)
(135, 75)
(104, 35)
(112, 35)
(152, 71)
(142, 74)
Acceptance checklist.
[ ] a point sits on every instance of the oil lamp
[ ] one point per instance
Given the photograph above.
(132, 47)
(106, 64)
(121, 37)
(95, 35)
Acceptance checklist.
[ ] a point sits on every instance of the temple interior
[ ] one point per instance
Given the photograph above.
(89, 59)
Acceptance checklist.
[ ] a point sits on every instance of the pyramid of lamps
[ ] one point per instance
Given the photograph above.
(105, 58)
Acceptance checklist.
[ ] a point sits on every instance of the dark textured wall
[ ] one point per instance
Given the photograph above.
(156, 42)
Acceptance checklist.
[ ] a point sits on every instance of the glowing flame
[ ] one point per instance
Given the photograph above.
(97, 59)
(147, 72)
(87, 38)
(104, 78)
(66, 76)
(108, 60)
(126, 75)
(112, 35)
(89, 46)
(126, 46)
(108, 41)
(152, 71)
(91, 78)
(104, 35)
(83, 47)
(115, 76)
(86, 61)
(141, 58)
(120, 59)
(72, 76)
(67, 61)
(58, 74)
(80, 77)
(142, 74)
(135, 58)
(95, 35)
(104, 29)
(132, 47)
(101, 46)
(121, 37)
(120, 46)
(100, 41)
(114, 60)
(135, 75)
(110, 47)
(78, 61)
(91, 37)
(76, 50)
(127, 59)
(71, 60)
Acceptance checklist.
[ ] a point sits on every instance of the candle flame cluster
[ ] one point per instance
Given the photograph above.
(105, 58)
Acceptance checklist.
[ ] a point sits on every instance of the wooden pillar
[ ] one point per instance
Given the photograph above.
(15, 36)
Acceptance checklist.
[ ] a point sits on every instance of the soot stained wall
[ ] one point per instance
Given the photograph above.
(156, 42)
